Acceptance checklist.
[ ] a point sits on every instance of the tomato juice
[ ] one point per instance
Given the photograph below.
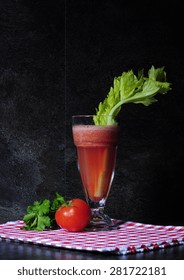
(96, 150)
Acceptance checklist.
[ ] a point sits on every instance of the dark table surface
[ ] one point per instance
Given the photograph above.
(10, 250)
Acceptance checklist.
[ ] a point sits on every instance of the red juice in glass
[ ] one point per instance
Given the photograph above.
(96, 150)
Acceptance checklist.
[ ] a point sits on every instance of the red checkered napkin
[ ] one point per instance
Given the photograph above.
(129, 238)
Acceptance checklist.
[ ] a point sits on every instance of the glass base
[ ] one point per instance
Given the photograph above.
(102, 222)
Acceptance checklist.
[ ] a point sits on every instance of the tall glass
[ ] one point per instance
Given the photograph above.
(96, 152)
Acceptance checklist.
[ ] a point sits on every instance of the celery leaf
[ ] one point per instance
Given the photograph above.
(129, 88)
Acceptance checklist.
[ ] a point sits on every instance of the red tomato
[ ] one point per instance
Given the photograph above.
(74, 217)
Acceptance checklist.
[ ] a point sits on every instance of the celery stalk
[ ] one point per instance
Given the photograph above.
(103, 176)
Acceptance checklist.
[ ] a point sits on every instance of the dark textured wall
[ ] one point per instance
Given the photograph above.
(59, 58)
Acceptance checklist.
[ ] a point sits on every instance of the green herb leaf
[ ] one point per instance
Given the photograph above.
(129, 88)
(36, 215)
(41, 215)
(57, 202)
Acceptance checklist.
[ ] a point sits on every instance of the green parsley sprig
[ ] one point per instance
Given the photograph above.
(41, 215)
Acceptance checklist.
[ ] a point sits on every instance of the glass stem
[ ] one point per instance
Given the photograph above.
(98, 214)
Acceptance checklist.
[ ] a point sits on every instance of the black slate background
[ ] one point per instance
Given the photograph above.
(59, 58)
